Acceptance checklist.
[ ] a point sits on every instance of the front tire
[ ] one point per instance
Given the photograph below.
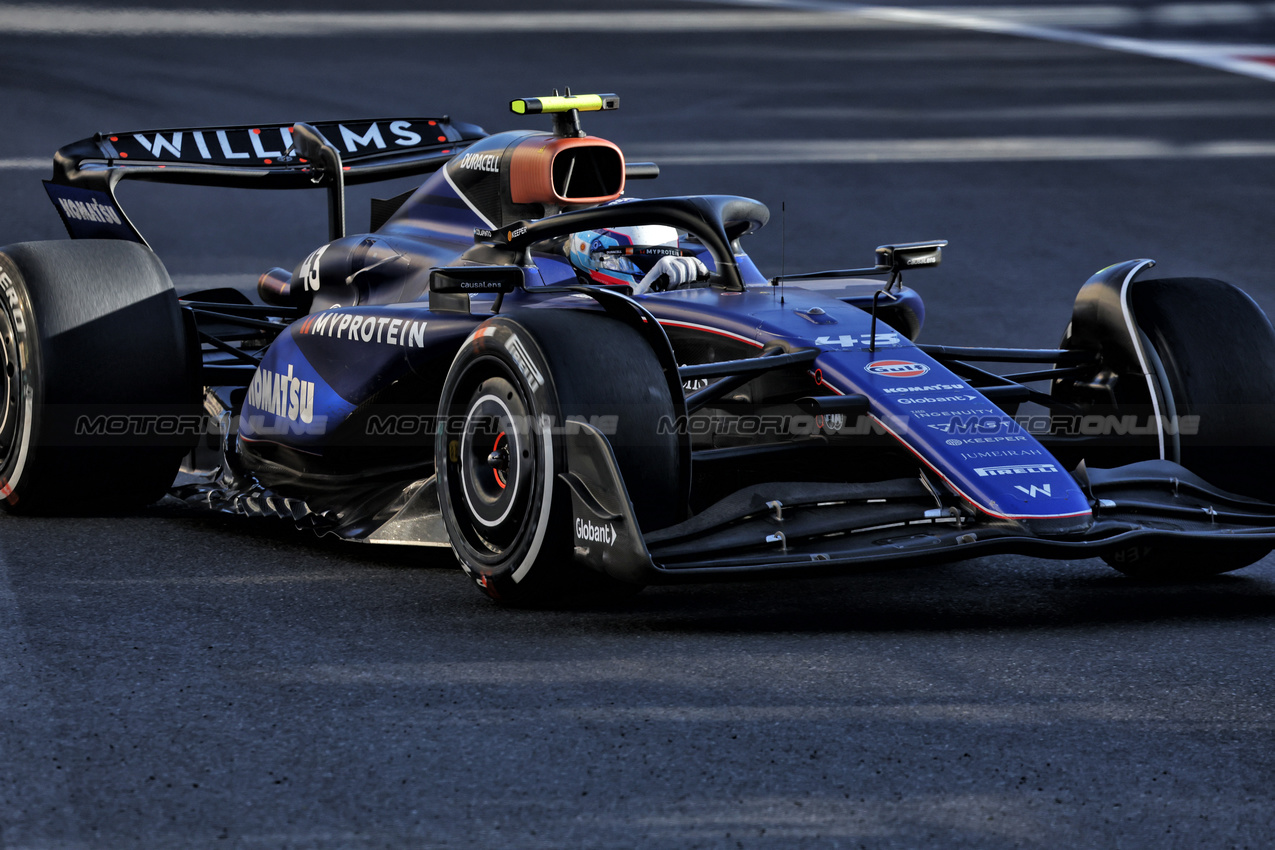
(1216, 353)
(509, 395)
(1183, 561)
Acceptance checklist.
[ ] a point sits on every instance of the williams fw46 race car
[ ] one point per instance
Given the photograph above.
(582, 395)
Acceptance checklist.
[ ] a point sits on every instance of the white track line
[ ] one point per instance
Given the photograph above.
(1250, 60)
(44, 19)
(27, 163)
(1040, 22)
(52, 20)
(843, 151)
(991, 149)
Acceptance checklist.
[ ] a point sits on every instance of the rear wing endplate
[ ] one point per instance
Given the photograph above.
(264, 156)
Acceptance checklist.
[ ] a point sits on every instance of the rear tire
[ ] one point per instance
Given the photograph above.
(517, 379)
(97, 383)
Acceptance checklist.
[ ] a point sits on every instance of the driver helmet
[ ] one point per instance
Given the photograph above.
(622, 255)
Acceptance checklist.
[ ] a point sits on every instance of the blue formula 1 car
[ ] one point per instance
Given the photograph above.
(459, 376)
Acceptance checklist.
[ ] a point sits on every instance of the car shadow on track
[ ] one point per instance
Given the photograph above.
(979, 594)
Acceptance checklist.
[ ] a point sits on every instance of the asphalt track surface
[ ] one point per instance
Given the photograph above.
(169, 681)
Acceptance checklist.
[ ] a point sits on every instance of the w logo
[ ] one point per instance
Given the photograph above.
(1034, 490)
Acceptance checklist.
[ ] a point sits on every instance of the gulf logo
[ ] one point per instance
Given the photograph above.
(897, 368)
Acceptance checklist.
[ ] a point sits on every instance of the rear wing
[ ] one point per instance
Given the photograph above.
(265, 156)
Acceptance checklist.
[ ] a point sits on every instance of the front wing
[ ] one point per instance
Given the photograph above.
(815, 528)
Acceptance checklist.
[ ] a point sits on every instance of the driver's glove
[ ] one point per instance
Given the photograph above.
(670, 273)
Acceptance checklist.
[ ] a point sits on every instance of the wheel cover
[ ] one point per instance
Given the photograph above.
(491, 461)
(494, 469)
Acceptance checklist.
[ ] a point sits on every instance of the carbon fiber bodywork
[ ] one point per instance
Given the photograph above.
(815, 433)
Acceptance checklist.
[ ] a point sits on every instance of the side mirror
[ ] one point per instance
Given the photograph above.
(910, 255)
(476, 280)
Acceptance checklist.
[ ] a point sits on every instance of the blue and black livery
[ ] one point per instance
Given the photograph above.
(449, 378)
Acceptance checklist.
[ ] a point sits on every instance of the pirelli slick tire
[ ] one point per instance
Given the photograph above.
(507, 400)
(97, 377)
(1216, 352)
(1184, 561)
(1217, 348)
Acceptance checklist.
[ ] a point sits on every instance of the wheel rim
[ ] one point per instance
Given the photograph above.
(493, 471)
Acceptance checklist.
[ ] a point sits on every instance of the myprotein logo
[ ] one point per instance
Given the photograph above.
(590, 533)
(897, 368)
(384, 330)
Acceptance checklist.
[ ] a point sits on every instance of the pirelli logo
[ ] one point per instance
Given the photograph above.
(526, 365)
(1021, 469)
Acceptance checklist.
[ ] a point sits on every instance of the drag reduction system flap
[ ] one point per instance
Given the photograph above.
(261, 156)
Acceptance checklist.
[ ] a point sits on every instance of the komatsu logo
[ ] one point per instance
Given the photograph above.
(924, 389)
(92, 211)
(282, 395)
(587, 531)
(480, 162)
